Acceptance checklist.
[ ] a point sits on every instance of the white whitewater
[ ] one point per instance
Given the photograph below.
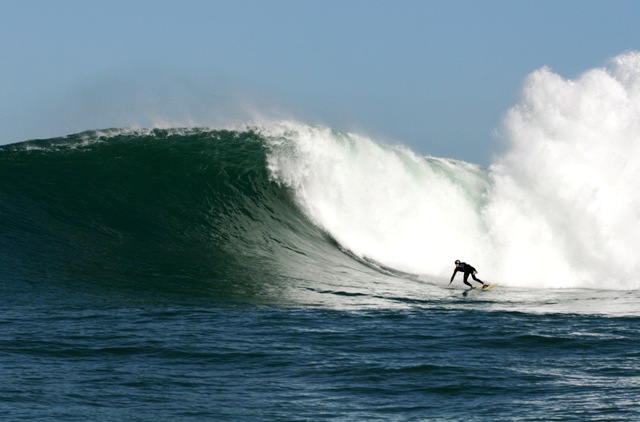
(559, 208)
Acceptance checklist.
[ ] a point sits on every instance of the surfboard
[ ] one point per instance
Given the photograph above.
(490, 286)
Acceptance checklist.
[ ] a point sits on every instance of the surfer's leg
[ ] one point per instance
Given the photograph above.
(477, 279)
(466, 276)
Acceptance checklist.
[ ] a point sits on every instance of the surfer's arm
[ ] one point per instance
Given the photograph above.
(454, 274)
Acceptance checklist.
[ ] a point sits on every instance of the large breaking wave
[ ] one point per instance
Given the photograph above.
(248, 212)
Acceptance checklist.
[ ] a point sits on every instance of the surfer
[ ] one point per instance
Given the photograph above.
(467, 270)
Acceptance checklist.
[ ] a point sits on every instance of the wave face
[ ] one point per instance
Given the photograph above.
(162, 210)
(272, 212)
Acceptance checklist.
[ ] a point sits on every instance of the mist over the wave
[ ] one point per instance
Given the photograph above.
(144, 98)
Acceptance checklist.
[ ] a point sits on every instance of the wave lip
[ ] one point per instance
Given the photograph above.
(380, 202)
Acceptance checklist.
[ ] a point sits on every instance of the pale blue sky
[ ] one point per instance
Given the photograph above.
(436, 76)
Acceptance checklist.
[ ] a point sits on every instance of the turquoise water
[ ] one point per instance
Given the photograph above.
(189, 275)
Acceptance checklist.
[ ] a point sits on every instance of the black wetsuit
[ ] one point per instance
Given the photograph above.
(467, 270)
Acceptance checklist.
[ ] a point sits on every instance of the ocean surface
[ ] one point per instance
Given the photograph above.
(292, 272)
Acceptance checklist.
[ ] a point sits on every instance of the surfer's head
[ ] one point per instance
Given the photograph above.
(457, 262)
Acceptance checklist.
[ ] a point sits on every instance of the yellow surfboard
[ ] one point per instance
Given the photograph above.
(490, 286)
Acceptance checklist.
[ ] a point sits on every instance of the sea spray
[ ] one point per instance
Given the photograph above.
(565, 198)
